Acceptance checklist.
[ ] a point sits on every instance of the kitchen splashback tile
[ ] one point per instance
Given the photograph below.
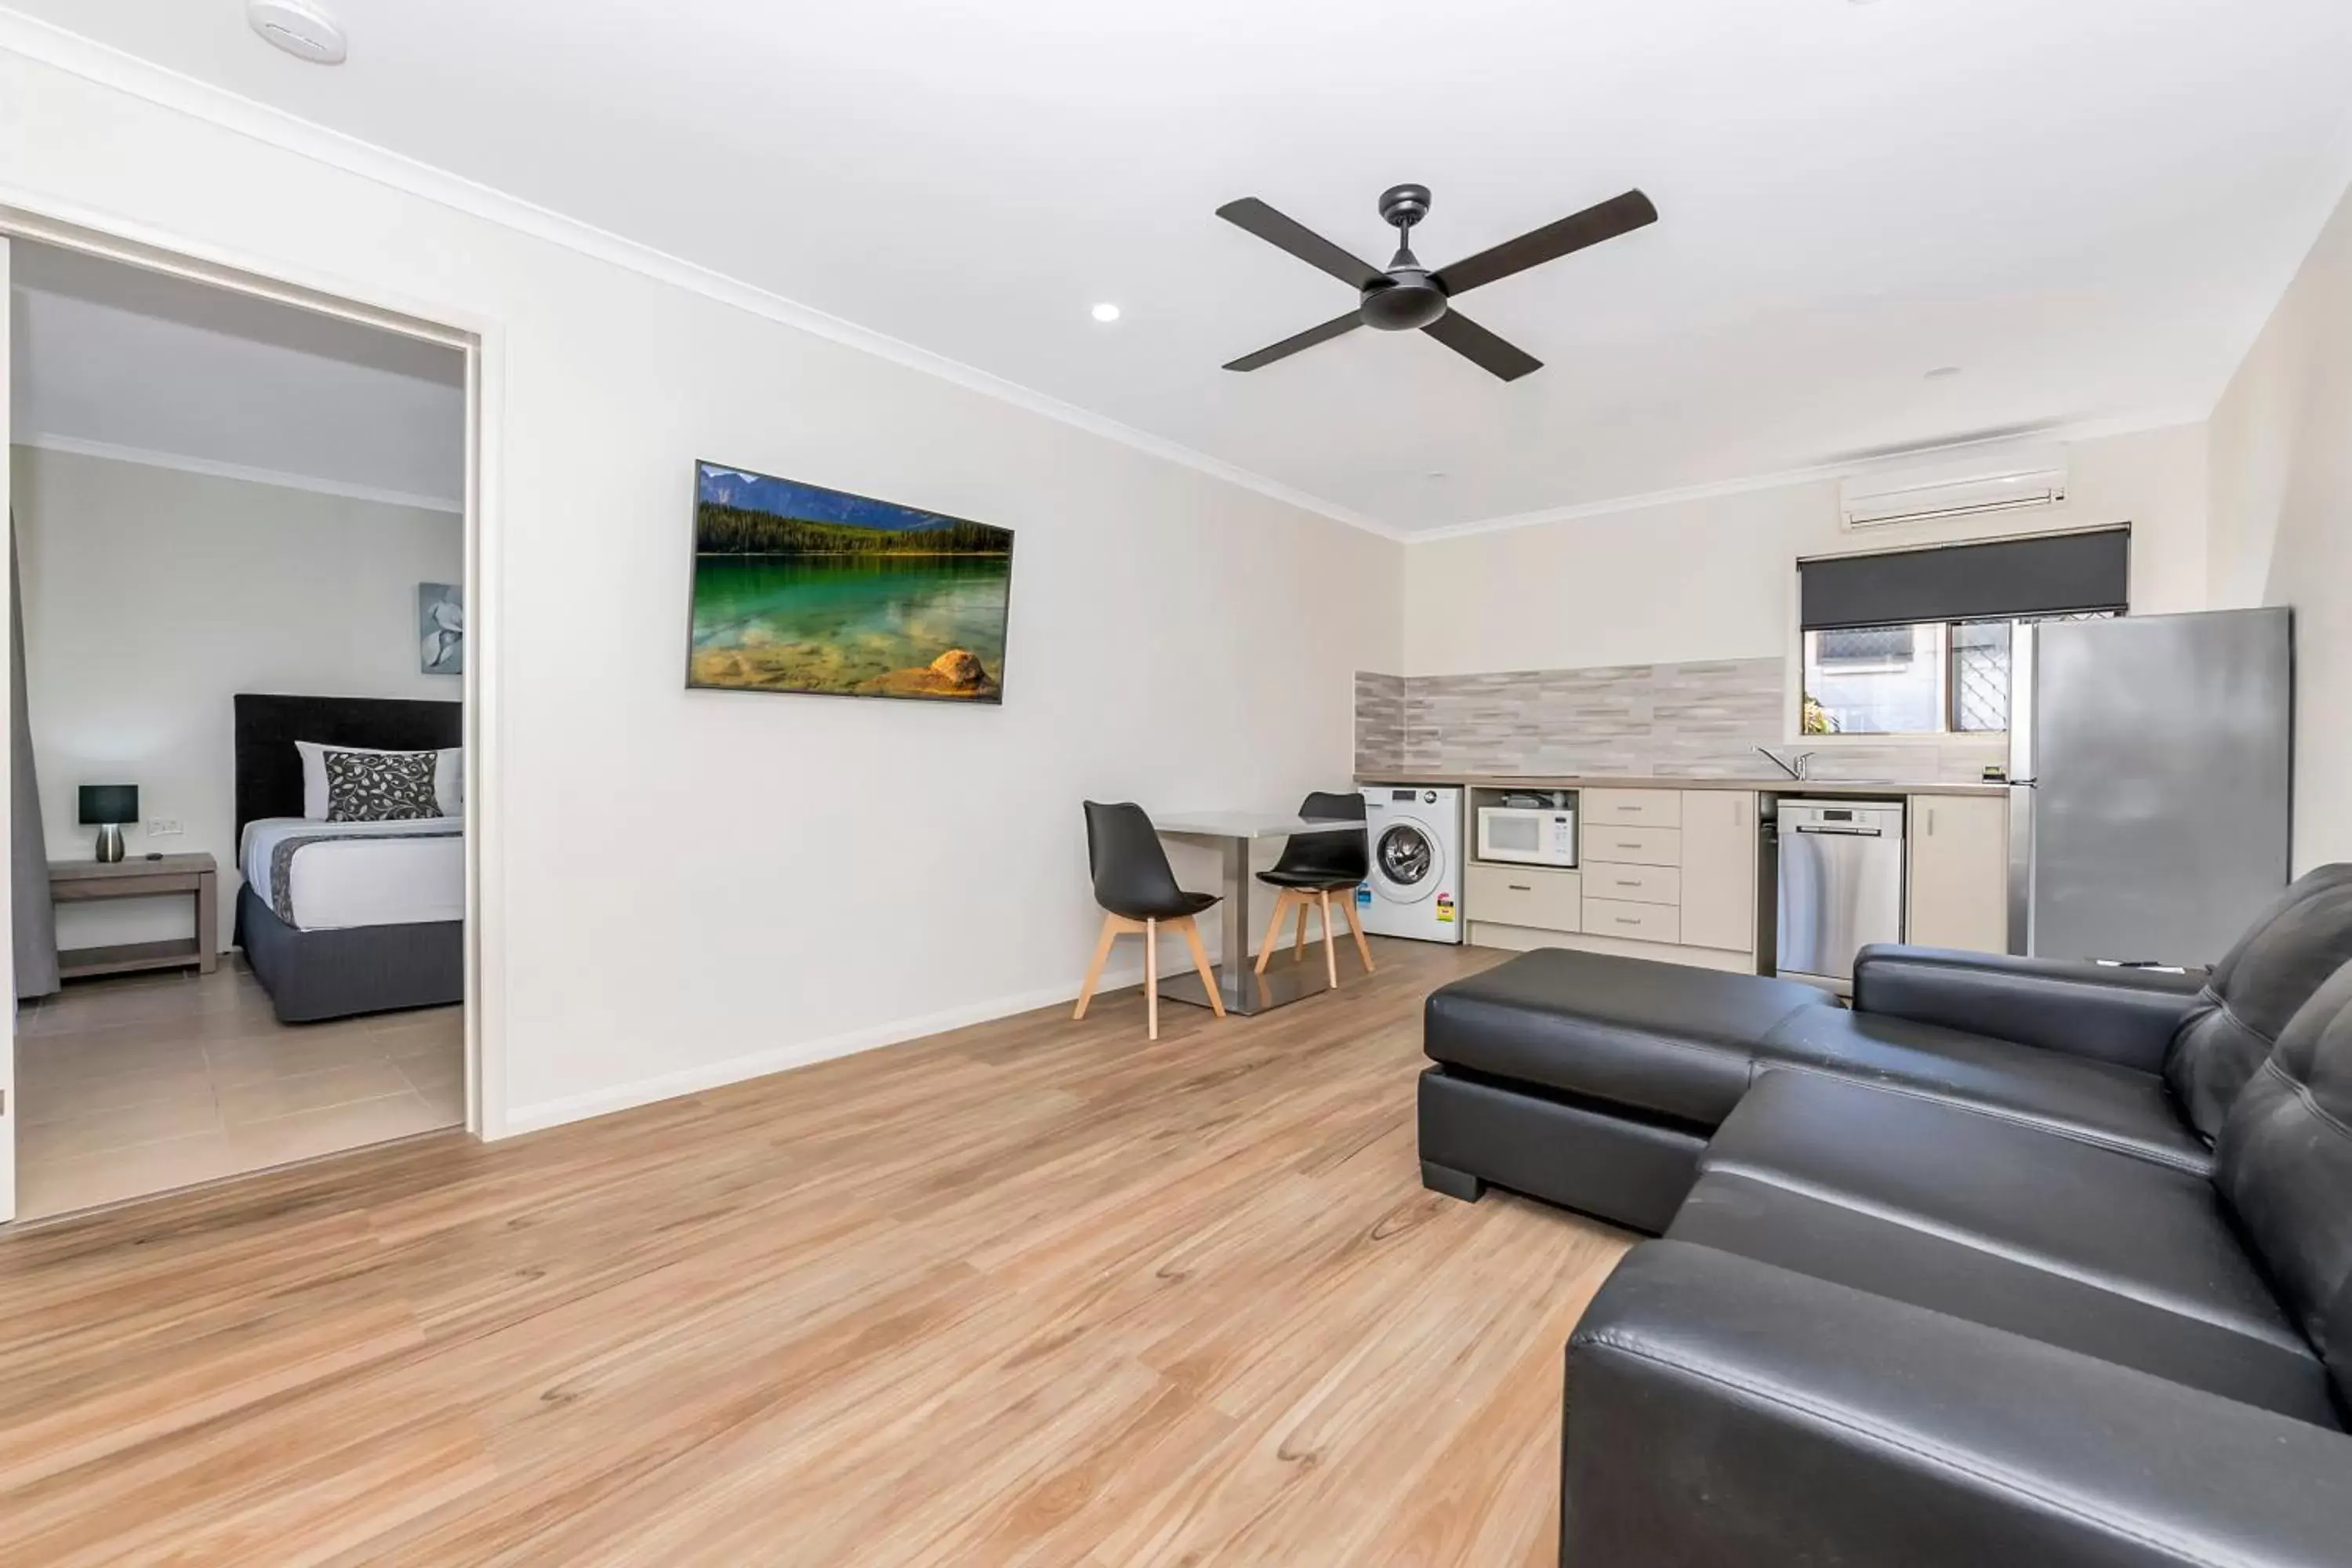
(1379, 722)
(1702, 719)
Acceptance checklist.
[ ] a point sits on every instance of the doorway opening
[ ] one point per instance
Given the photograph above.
(241, 553)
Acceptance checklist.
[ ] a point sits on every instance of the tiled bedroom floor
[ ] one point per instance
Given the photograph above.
(138, 1085)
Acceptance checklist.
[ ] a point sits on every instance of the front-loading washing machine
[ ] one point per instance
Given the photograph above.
(1416, 841)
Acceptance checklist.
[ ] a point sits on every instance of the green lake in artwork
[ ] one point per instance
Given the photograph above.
(866, 623)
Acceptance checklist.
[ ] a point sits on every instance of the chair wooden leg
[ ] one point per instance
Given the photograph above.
(1201, 962)
(1298, 948)
(1272, 931)
(1356, 929)
(1330, 942)
(1151, 979)
(1093, 970)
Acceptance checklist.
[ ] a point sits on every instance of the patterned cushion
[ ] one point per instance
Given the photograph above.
(380, 786)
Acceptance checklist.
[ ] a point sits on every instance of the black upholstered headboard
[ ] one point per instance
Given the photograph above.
(269, 771)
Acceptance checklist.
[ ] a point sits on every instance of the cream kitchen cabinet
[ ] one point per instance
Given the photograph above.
(1666, 874)
(1959, 872)
(1525, 896)
(1718, 869)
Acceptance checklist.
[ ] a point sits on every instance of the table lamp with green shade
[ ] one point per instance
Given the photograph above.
(107, 807)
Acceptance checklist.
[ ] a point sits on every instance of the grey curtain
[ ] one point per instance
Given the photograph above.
(29, 852)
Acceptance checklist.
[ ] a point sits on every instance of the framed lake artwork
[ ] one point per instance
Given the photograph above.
(800, 588)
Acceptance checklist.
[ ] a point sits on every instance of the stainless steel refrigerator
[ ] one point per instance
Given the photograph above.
(2149, 759)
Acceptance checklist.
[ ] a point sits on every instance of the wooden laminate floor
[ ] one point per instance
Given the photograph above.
(1034, 1292)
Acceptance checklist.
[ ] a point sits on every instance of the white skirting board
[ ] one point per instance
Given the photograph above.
(805, 1053)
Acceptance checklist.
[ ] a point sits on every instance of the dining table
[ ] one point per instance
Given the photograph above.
(1233, 833)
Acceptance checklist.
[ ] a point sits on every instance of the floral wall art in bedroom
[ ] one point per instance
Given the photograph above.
(440, 628)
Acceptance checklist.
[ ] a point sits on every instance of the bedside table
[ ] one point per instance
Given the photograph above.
(87, 881)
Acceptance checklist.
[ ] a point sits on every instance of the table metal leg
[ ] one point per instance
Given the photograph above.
(1234, 976)
(1285, 981)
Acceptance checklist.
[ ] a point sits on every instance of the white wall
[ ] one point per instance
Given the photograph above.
(1716, 578)
(153, 597)
(698, 885)
(2282, 507)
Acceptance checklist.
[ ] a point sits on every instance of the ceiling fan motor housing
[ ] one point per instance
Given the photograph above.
(1407, 299)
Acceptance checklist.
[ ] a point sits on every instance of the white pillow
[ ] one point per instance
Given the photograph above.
(448, 776)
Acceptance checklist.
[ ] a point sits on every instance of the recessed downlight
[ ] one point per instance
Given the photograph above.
(1105, 312)
(1943, 373)
(300, 28)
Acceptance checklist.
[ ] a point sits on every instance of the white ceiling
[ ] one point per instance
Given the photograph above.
(115, 360)
(2087, 206)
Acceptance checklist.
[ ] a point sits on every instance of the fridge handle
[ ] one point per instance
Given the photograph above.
(2024, 671)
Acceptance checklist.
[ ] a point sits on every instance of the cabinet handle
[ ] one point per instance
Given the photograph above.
(1626, 919)
(1518, 887)
(1623, 883)
(1931, 822)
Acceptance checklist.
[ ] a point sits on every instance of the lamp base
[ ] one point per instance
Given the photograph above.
(110, 843)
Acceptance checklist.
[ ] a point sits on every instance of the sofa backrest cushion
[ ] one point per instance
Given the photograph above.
(2284, 1167)
(2302, 939)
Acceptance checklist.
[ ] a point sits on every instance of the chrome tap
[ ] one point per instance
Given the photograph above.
(1801, 768)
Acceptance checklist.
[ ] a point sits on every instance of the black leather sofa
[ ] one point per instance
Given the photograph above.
(1595, 1082)
(2014, 1262)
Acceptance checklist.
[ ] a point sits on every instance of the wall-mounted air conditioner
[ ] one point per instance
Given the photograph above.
(1961, 484)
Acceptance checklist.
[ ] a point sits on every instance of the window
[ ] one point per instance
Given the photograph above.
(1932, 678)
(1918, 641)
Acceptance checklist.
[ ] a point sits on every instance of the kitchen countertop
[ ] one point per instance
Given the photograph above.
(1775, 783)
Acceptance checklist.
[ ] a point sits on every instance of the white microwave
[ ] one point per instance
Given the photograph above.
(1527, 834)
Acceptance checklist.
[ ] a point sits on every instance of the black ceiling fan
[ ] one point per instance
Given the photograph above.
(1409, 295)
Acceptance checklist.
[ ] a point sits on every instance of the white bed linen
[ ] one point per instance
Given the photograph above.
(368, 876)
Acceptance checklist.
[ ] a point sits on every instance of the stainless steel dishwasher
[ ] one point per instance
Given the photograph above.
(1841, 885)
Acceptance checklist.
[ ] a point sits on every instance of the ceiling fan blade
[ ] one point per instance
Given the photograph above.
(1306, 340)
(1618, 215)
(1481, 347)
(1295, 238)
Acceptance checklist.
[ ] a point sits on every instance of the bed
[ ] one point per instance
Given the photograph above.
(343, 918)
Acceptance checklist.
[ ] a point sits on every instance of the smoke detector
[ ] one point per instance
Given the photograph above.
(300, 28)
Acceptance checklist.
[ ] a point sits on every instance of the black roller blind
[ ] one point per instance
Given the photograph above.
(2000, 579)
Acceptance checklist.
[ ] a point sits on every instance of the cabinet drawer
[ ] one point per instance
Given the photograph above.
(1548, 901)
(1631, 845)
(1638, 923)
(1633, 807)
(1635, 884)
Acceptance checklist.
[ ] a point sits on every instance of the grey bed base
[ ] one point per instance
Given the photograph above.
(316, 974)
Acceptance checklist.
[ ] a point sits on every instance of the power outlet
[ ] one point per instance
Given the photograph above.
(163, 827)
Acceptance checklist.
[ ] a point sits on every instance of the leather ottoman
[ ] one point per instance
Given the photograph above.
(1590, 1081)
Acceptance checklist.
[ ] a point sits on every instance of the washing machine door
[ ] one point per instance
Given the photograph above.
(1408, 865)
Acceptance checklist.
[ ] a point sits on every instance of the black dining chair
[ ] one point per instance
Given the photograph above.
(1312, 868)
(1137, 892)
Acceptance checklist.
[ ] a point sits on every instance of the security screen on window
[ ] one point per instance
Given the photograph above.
(1931, 677)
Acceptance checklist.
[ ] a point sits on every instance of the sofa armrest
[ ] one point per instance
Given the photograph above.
(1723, 1413)
(2126, 1016)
